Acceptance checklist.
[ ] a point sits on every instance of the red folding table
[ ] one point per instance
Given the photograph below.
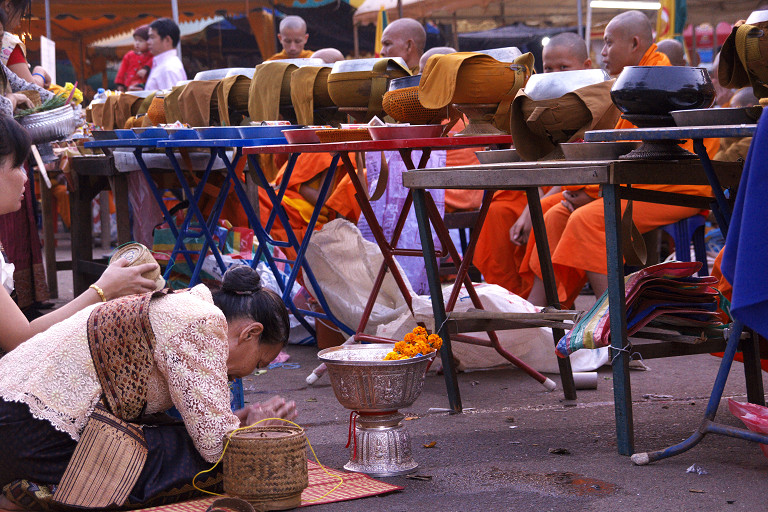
(390, 249)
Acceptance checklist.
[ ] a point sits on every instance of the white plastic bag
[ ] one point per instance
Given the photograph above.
(534, 346)
(346, 267)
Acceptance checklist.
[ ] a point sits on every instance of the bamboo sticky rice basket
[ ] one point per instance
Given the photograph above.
(267, 466)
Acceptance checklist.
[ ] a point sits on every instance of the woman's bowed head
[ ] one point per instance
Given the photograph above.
(258, 328)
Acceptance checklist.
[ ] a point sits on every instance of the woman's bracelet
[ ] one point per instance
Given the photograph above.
(99, 291)
(40, 75)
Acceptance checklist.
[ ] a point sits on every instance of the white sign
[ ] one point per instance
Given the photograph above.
(48, 57)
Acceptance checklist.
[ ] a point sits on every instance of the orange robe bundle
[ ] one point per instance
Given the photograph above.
(308, 170)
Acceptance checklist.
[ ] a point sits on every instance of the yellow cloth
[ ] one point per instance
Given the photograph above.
(232, 93)
(306, 83)
(264, 95)
(117, 110)
(466, 77)
(281, 55)
(172, 108)
(195, 102)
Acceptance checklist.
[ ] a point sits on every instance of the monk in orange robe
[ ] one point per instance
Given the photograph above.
(293, 36)
(576, 232)
(501, 246)
(301, 196)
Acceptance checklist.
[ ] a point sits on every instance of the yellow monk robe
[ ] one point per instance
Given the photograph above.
(340, 202)
(577, 240)
(281, 55)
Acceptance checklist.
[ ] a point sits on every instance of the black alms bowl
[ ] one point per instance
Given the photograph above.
(658, 90)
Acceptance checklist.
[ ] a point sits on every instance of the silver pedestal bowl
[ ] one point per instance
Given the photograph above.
(375, 389)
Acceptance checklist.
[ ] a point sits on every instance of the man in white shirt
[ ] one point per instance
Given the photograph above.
(167, 68)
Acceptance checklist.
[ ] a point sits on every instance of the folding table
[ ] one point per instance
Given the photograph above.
(390, 249)
(219, 147)
(614, 178)
(722, 211)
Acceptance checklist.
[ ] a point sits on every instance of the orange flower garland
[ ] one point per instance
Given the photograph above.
(415, 343)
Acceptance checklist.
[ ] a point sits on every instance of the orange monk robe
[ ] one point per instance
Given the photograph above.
(281, 55)
(577, 240)
(341, 201)
(497, 258)
(461, 200)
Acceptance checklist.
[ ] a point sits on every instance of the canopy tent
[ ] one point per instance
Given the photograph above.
(540, 13)
(75, 24)
(525, 38)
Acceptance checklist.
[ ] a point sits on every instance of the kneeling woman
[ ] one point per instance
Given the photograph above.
(104, 370)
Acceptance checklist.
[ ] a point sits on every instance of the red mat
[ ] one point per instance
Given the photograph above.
(356, 485)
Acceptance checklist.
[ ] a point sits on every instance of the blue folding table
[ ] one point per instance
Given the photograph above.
(226, 138)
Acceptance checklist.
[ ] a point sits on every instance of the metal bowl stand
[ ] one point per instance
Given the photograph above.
(382, 445)
(480, 118)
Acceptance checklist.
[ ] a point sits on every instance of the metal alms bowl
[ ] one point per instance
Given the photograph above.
(54, 124)
(364, 382)
(346, 66)
(548, 86)
(658, 90)
(506, 54)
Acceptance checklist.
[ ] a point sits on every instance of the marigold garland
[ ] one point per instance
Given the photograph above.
(415, 343)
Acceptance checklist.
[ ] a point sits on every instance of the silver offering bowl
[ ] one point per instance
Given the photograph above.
(375, 389)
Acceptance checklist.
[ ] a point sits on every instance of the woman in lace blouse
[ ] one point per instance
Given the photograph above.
(49, 386)
(116, 281)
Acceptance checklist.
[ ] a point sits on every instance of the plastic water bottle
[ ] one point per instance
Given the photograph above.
(101, 94)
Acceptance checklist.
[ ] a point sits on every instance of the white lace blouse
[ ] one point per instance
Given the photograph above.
(54, 375)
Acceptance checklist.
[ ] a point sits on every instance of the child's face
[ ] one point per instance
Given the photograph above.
(140, 45)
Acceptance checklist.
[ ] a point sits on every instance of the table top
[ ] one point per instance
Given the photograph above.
(182, 143)
(218, 143)
(516, 175)
(672, 132)
(384, 145)
(122, 143)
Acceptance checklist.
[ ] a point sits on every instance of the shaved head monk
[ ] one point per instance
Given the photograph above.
(628, 40)
(293, 36)
(328, 55)
(577, 235)
(565, 52)
(502, 247)
(404, 38)
(438, 50)
(674, 51)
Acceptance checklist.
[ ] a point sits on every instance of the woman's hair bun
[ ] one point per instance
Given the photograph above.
(242, 280)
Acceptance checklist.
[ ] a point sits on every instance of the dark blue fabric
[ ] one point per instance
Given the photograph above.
(31, 449)
(34, 450)
(745, 259)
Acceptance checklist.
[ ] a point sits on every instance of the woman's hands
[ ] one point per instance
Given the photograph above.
(119, 279)
(19, 100)
(275, 407)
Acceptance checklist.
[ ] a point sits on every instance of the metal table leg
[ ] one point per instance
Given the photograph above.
(708, 426)
(622, 392)
(436, 293)
(550, 286)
